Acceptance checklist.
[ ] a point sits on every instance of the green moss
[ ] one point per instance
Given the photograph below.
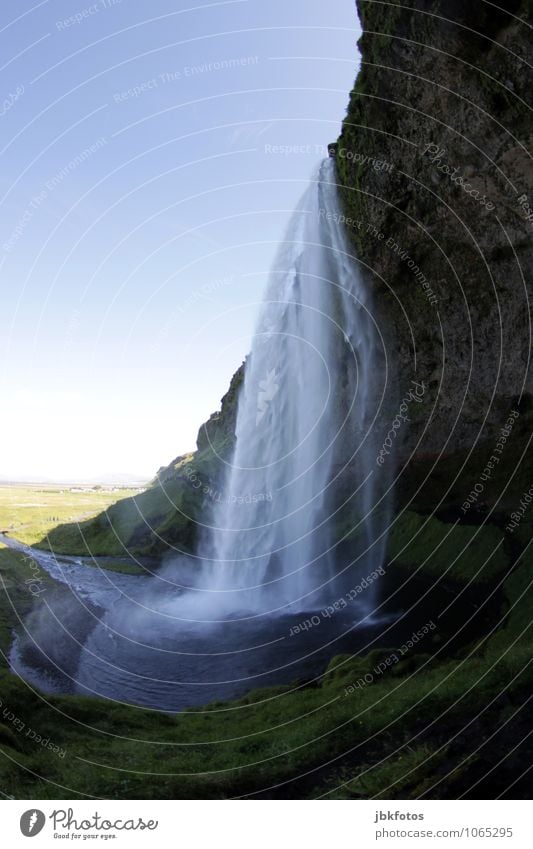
(19, 578)
(518, 594)
(368, 737)
(460, 553)
(407, 775)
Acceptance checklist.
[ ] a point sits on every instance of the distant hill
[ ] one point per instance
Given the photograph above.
(118, 479)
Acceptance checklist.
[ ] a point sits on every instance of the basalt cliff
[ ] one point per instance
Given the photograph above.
(435, 166)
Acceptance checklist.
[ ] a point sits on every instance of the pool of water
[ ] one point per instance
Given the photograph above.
(137, 640)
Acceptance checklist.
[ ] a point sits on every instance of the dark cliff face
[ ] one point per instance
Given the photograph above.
(435, 165)
(219, 430)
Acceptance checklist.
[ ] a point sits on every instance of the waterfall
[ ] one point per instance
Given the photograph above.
(298, 525)
(303, 474)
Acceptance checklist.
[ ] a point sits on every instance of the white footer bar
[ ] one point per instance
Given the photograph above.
(267, 824)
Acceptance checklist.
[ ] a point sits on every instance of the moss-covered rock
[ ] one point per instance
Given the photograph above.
(457, 553)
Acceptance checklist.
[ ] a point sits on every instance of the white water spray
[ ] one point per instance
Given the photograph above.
(300, 522)
(303, 472)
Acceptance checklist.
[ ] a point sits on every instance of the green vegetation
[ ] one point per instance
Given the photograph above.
(403, 735)
(459, 554)
(145, 523)
(19, 575)
(165, 516)
(399, 733)
(31, 513)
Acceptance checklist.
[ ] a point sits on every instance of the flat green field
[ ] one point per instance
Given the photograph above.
(30, 512)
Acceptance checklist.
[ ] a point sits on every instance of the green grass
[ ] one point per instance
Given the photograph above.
(16, 599)
(460, 553)
(30, 514)
(145, 523)
(414, 730)
(163, 517)
(308, 740)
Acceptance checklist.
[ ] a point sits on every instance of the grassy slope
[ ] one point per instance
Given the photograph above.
(15, 596)
(315, 738)
(165, 516)
(145, 523)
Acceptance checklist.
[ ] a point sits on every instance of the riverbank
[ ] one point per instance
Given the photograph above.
(428, 715)
(430, 725)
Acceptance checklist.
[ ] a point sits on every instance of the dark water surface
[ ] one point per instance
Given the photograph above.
(131, 639)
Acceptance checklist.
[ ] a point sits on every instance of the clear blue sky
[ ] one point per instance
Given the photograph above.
(142, 199)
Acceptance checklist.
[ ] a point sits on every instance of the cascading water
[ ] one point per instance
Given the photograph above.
(302, 519)
(304, 431)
